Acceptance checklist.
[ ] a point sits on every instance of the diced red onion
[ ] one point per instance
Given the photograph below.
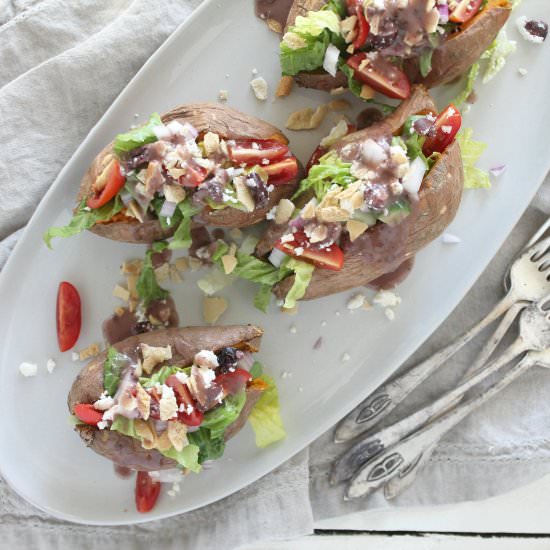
(497, 170)
(189, 132)
(168, 209)
(443, 10)
(162, 132)
(413, 179)
(330, 62)
(276, 257)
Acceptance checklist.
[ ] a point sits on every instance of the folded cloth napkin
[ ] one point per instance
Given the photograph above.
(54, 85)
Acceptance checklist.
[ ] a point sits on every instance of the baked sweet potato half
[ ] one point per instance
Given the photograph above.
(201, 163)
(169, 398)
(370, 201)
(386, 46)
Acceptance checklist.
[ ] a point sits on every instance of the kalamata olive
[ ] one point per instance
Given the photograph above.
(369, 116)
(376, 196)
(258, 189)
(227, 358)
(537, 28)
(424, 126)
(142, 327)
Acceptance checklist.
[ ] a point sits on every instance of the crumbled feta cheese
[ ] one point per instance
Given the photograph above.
(101, 425)
(168, 405)
(323, 323)
(254, 71)
(345, 357)
(104, 403)
(446, 129)
(206, 358)
(449, 238)
(50, 365)
(390, 314)
(356, 301)
(300, 389)
(286, 374)
(522, 71)
(293, 329)
(259, 87)
(208, 375)
(75, 356)
(299, 250)
(386, 298)
(223, 95)
(28, 369)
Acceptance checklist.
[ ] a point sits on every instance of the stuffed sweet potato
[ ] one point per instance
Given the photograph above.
(201, 163)
(370, 201)
(386, 45)
(169, 398)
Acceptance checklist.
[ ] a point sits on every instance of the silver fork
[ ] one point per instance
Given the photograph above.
(528, 282)
(399, 483)
(534, 338)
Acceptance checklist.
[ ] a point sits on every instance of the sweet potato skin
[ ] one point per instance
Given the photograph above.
(185, 342)
(450, 60)
(214, 117)
(439, 199)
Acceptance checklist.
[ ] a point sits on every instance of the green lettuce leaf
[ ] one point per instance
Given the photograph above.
(165, 222)
(471, 76)
(112, 370)
(256, 370)
(147, 286)
(426, 62)
(474, 177)
(160, 376)
(315, 22)
(83, 219)
(209, 448)
(496, 55)
(188, 457)
(354, 85)
(262, 298)
(265, 417)
(338, 7)
(182, 236)
(302, 277)
(137, 137)
(218, 419)
(308, 58)
(330, 170)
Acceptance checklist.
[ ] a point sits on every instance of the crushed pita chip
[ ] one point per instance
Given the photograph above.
(154, 321)
(366, 92)
(162, 273)
(336, 133)
(290, 310)
(132, 267)
(121, 293)
(132, 305)
(339, 105)
(294, 41)
(175, 276)
(307, 119)
(308, 212)
(143, 402)
(355, 228)
(213, 308)
(229, 263)
(182, 264)
(119, 311)
(127, 401)
(168, 406)
(236, 233)
(285, 86)
(163, 441)
(211, 143)
(91, 351)
(174, 193)
(274, 25)
(194, 264)
(243, 194)
(134, 210)
(152, 356)
(147, 434)
(332, 214)
(177, 434)
(131, 281)
(338, 91)
(284, 211)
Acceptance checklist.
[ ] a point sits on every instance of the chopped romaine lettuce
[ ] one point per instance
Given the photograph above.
(330, 170)
(209, 448)
(138, 136)
(426, 62)
(217, 420)
(160, 376)
(265, 417)
(188, 457)
(83, 219)
(496, 55)
(471, 150)
(302, 277)
(315, 22)
(354, 85)
(112, 370)
(338, 7)
(263, 298)
(256, 370)
(469, 87)
(147, 286)
(182, 236)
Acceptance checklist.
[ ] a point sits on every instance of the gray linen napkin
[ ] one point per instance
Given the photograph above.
(54, 86)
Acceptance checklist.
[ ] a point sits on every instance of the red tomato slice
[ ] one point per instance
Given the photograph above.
(233, 382)
(328, 258)
(382, 75)
(147, 492)
(183, 396)
(194, 175)
(243, 152)
(446, 126)
(465, 10)
(363, 28)
(112, 181)
(68, 316)
(87, 414)
(282, 172)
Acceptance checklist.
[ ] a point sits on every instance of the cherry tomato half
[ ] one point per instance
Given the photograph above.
(382, 75)
(68, 316)
(233, 382)
(282, 172)
(465, 10)
(446, 126)
(194, 175)
(327, 258)
(184, 397)
(147, 492)
(87, 414)
(110, 182)
(363, 28)
(252, 152)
